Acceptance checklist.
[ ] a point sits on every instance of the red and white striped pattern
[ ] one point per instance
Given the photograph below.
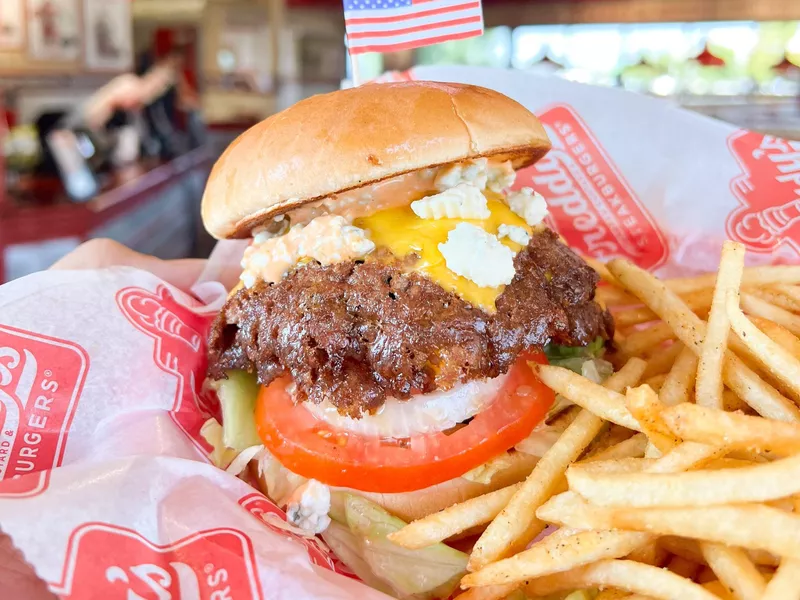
(391, 25)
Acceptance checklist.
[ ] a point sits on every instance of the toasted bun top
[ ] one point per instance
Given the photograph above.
(351, 138)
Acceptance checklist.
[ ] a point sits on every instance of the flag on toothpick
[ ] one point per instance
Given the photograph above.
(391, 25)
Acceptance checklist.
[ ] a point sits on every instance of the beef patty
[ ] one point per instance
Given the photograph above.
(357, 332)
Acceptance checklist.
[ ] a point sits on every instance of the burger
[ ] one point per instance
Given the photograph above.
(374, 357)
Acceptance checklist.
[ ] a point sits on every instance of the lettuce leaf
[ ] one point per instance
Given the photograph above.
(583, 360)
(237, 395)
(432, 572)
(347, 547)
(568, 356)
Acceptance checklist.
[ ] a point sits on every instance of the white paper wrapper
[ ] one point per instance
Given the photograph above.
(105, 483)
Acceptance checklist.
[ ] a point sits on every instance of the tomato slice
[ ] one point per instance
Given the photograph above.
(314, 449)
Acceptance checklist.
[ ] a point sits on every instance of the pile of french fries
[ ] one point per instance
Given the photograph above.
(679, 477)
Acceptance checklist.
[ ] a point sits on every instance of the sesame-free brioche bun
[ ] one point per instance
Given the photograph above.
(351, 138)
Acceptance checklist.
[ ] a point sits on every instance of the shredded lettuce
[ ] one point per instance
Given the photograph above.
(278, 481)
(221, 456)
(432, 572)
(337, 511)
(237, 395)
(347, 548)
(584, 360)
(573, 357)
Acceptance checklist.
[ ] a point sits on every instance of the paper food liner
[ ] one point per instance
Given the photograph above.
(105, 484)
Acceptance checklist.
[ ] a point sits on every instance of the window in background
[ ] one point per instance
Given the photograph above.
(665, 59)
(535, 46)
(492, 49)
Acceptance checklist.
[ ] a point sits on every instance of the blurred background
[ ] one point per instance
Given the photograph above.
(113, 111)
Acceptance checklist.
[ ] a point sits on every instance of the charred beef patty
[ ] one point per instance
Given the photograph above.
(354, 333)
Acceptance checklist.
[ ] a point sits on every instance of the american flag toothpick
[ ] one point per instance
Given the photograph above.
(391, 25)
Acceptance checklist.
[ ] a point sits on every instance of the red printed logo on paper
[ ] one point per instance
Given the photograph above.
(179, 333)
(41, 379)
(589, 201)
(768, 192)
(116, 563)
(272, 516)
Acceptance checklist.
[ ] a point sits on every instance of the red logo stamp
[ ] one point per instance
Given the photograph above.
(590, 202)
(41, 379)
(267, 512)
(179, 333)
(768, 192)
(111, 562)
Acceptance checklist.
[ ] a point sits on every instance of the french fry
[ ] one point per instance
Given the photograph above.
(708, 390)
(628, 317)
(757, 307)
(752, 276)
(678, 385)
(784, 584)
(516, 525)
(715, 427)
(638, 341)
(601, 269)
(750, 526)
(776, 298)
(708, 579)
(690, 550)
(732, 403)
(642, 402)
(619, 340)
(698, 302)
(690, 330)
(727, 462)
(489, 592)
(661, 360)
(609, 295)
(622, 465)
(791, 291)
(755, 483)
(656, 382)
(513, 528)
(685, 548)
(686, 455)
(608, 437)
(776, 360)
(683, 566)
(735, 569)
(713, 585)
(603, 402)
(557, 555)
(778, 334)
(451, 521)
(649, 553)
(624, 574)
(633, 447)
(612, 594)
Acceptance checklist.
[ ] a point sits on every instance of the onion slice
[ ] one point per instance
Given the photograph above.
(421, 414)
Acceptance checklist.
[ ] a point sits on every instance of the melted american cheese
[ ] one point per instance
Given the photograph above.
(402, 232)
